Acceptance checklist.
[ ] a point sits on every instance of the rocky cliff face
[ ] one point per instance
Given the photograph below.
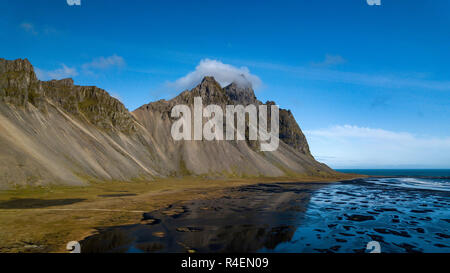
(90, 102)
(231, 158)
(290, 132)
(20, 87)
(18, 83)
(58, 132)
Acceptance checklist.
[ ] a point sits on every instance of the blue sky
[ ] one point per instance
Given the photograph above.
(369, 85)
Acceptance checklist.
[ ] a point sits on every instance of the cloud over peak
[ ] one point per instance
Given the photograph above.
(224, 74)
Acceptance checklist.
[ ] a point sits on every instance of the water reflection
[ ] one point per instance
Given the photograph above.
(246, 220)
(293, 217)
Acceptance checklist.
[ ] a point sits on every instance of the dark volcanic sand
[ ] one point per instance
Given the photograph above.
(292, 217)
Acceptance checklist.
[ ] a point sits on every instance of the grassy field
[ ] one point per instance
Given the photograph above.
(45, 219)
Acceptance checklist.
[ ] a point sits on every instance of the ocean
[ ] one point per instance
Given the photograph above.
(400, 210)
(431, 179)
(400, 172)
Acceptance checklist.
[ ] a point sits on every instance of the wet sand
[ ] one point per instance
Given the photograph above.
(44, 219)
(245, 219)
(290, 217)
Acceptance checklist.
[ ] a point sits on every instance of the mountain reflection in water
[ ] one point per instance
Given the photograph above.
(247, 219)
(403, 214)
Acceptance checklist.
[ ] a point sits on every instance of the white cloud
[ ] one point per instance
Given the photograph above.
(105, 62)
(347, 146)
(36, 30)
(330, 60)
(360, 132)
(28, 27)
(60, 73)
(223, 73)
(66, 72)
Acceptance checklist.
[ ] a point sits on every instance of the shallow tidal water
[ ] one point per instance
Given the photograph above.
(344, 217)
(402, 214)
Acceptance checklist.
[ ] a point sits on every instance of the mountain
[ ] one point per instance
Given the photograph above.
(56, 132)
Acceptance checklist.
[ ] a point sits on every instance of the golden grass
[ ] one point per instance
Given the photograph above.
(46, 226)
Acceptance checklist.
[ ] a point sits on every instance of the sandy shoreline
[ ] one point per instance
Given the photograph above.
(46, 219)
(283, 217)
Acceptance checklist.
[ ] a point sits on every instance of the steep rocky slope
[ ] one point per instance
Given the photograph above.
(230, 158)
(58, 132)
(290, 132)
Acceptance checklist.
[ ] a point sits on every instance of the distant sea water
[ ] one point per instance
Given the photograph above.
(400, 172)
(404, 210)
(426, 179)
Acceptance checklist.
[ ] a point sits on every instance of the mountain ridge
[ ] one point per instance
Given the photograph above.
(56, 132)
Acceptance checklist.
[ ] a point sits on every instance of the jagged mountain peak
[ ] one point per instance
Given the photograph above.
(241, 94)
(208, 89)
(208, 79)
(243, 82)
(209, 85)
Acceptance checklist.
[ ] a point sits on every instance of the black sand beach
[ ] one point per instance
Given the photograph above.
(292, 217)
